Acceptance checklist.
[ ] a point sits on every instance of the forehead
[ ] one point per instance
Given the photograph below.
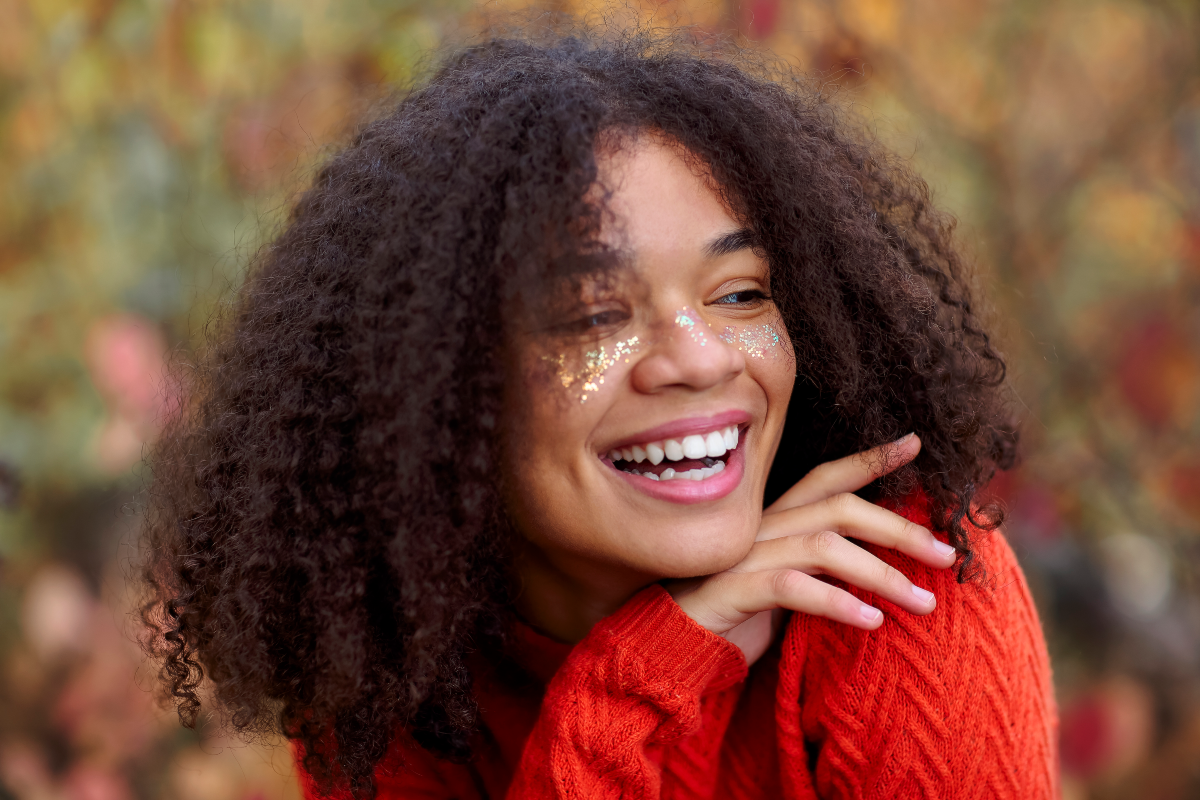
(661, 202)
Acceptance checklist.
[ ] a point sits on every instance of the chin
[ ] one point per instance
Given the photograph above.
(689, 552)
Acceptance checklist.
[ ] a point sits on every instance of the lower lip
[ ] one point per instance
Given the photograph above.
(688, 491)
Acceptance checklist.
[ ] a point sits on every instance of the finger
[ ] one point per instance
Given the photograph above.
(856, 518)
(754, 635)
(848, 474)
(826, 553)
(751, 592)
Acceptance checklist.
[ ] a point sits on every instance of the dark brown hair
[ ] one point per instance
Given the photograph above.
(325, 536)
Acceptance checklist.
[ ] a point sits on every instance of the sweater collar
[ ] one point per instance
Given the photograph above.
(537, 652)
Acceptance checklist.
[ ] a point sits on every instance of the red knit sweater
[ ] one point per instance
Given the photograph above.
(957, 704)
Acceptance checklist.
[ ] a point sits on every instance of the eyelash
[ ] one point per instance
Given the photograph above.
(602, 318)
(755, 296)
(589, 324)
(612, 316)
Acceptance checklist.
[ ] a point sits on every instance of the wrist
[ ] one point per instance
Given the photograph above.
(653, 628)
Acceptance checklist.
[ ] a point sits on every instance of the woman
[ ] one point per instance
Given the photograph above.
(470, 499)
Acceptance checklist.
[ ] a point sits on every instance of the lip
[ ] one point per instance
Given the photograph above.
(687, 492)
(680, 428)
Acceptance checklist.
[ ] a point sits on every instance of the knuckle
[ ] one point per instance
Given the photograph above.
(843, 503)
(835, 598)
(914, 531)
(720, 616)
(822, 542)
(710, 609)
(820, 471)
(785, 582)
(890, 576)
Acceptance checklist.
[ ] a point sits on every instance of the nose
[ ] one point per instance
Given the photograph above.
(686, 353)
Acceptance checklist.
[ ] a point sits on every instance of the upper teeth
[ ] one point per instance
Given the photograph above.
(711, 445)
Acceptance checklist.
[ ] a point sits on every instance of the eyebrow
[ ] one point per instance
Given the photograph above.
(731, 242)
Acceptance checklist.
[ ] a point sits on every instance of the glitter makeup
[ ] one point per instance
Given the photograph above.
(595, 364)
(753, 340)
(687, 319)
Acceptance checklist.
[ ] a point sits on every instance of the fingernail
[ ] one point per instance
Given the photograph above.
(870, 614)
(903, 439)
(923, 595)
(943, 548)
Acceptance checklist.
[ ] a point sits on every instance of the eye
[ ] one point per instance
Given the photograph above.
(745, 297)
(603, 319)
(597, 323)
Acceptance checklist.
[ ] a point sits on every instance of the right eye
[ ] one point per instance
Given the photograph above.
(592, 321)
(603, 319)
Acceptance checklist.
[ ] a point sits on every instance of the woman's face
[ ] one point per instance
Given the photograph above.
(646, 421)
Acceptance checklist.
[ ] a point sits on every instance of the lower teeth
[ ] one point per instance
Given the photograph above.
(670, 474)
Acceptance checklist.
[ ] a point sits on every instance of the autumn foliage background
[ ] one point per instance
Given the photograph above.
(147, 147)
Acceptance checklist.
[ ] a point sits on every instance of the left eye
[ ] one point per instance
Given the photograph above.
(742, 298)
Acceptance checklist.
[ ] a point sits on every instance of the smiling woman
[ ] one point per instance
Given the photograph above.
(471, 500)
(683, 390)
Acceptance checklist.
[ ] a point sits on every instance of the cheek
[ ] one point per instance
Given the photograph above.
(765, 341)
(769, 358)
(530, 456)
(546, 425)
(778, 377)
(582, 374)
(537, 408)
(772, 362)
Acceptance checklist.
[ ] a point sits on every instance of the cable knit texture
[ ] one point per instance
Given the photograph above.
(956, 704)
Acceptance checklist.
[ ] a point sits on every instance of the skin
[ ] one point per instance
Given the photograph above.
(591, 537)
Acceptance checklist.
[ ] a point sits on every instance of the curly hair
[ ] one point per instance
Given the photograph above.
(325, 538)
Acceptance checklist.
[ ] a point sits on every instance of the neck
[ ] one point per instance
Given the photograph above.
(565, 596)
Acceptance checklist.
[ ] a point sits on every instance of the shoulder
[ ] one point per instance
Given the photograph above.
(961, 694)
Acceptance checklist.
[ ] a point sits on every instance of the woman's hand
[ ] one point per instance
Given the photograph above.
(801, 536)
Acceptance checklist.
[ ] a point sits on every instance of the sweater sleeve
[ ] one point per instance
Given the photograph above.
(956, 704)
(635, 682)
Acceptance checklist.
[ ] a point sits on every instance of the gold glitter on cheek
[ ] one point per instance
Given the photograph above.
(595, 364)
(753, 340)
(688, 320)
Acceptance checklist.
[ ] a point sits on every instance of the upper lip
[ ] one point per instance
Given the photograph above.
(682, 427)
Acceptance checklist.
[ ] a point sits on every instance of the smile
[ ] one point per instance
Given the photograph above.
(697, 457)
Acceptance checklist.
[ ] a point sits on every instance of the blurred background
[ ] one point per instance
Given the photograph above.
(147, 147)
